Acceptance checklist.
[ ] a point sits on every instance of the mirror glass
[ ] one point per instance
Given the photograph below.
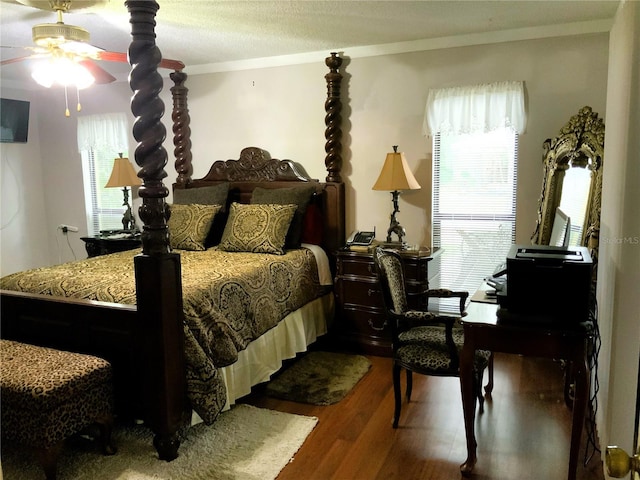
(574, 201)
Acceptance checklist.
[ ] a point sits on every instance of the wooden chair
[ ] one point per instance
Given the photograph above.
(424, 342)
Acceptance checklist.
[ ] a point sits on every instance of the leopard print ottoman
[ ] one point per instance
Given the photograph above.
(49, 395)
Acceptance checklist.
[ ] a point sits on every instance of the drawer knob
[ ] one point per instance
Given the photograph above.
(371, 291)
(378, 329)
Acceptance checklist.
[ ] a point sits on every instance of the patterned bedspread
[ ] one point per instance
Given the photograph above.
(229, 300)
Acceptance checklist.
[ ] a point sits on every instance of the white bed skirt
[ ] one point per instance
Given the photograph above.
(264, 356)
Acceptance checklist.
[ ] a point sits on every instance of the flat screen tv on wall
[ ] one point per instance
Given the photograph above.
(14, 122)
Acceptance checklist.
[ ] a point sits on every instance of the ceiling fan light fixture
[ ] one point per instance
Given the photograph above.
(62, 71)
(55, 34)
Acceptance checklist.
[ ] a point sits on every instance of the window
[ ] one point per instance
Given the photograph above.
(104, 205)
(475, 151)
(100, 139)
(474, 204)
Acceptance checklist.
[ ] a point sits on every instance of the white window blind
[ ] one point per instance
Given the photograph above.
(475, 152)
(473, 204)
(100, 139)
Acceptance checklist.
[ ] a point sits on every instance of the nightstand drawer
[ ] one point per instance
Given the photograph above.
(357, 266)
(366, 330)
(353, 292)
(370, 323)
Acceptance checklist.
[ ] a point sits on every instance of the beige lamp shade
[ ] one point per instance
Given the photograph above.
(395, 174)
(123, 174)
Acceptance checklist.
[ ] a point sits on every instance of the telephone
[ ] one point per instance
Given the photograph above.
(361, 238)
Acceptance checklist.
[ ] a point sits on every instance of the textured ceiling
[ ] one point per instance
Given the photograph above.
(208, 32)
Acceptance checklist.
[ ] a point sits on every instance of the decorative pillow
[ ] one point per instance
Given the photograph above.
(190, 224)
(213, 195)
(300, 196)
(258, 228)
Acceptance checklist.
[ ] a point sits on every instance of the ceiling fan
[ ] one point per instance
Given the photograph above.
(70, 44)
(66, 45)
(71, 58)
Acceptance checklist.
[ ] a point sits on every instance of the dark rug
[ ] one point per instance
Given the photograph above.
(319, 378)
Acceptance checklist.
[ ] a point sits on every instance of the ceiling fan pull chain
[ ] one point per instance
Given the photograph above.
(66, 103)
(78, 107)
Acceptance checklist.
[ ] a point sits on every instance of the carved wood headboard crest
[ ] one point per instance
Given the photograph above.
(256, 165)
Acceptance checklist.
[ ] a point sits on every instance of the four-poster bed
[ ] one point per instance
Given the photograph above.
(145, 341)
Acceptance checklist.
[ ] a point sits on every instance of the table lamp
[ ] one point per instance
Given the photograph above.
(394, 177)
(123, 175)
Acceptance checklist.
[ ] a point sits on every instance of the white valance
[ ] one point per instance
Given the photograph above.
(475, 109)
(105, 130)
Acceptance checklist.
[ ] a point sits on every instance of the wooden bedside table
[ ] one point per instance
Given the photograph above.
(110, 243)
(360, 322)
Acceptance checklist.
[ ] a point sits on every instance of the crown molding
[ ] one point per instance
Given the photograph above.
(502, 36)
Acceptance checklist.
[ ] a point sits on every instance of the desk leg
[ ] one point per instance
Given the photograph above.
(579, 410)
(468, 403)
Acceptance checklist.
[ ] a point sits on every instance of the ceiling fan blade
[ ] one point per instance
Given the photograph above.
(99, 73)
(112, 56)
(171, 64)
(122, 57)
(16, 59)
(30, 49)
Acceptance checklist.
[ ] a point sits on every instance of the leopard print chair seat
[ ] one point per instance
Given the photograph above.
(425, 348)
(49, 395)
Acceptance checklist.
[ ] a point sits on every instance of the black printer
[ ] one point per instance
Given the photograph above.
(548, 282)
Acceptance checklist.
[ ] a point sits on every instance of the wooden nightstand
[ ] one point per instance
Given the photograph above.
(110, 243)
(360, 322)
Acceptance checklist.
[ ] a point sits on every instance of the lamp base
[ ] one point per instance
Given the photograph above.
(394, 225)
(128, 220)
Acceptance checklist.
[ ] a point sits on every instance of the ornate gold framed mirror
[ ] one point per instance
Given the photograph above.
(572, 165)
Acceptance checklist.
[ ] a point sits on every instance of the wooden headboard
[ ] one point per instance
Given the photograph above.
(255, 168)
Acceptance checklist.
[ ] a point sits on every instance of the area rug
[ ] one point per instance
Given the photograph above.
(244, 443)
(319, 378)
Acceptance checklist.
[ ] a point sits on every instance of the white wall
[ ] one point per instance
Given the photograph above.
(619, 269)
(23, 240)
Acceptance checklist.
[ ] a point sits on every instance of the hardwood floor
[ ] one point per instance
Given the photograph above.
(523, 433)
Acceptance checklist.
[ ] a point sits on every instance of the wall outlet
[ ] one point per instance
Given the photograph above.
(67, 228)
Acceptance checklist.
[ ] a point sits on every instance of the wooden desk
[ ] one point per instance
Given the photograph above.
(484, 331)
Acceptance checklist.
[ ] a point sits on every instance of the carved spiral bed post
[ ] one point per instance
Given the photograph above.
(160, 356)
(333, 160)
(181, 129)
(332, 120)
